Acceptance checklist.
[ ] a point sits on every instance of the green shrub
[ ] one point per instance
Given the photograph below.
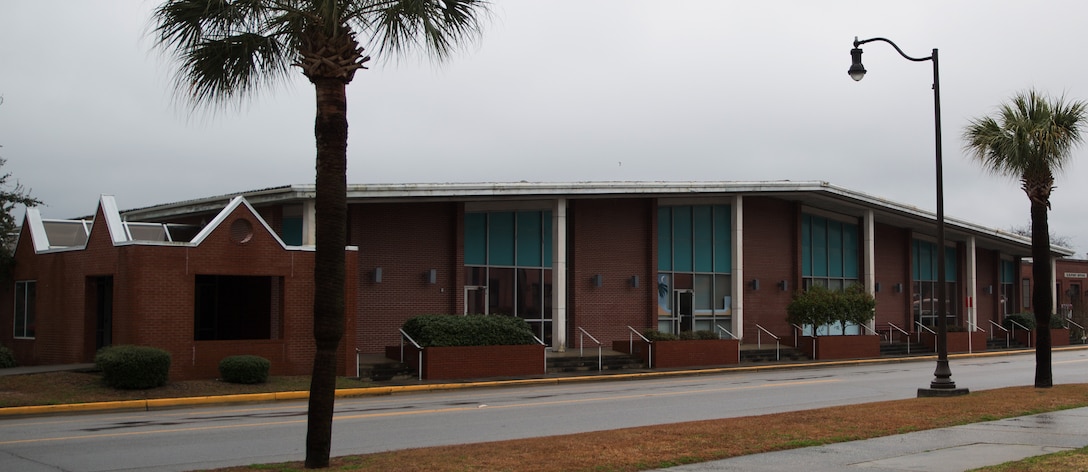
(820, 306)
(244, 369)
(1057, 322)
(133, 367)
(7, 358)
(655, 335)
(1027, 320)
(468, 330)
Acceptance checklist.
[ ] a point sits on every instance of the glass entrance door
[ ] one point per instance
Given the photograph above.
(475, 300)
(683, 315)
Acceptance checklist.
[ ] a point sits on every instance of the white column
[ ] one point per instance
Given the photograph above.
(868, 271)
(972, 284)
(309, 217)
(737, 222)
(559, 275)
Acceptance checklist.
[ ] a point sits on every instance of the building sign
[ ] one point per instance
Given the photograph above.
(1076, 275)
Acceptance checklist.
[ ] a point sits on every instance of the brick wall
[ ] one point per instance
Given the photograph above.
(154, 293)
(771, 254)
(892, 265)
(406, 240)
(613, 238)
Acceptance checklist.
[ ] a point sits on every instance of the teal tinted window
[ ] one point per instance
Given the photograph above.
(1008, 272)
(819, 247)
(925, 261)
(723, 239)
(682, 239)
(834, 249)
(546, 234)
(850, 251)
(292, 231)
(950, 264)
(500, 239)
(529, 238)
(806, 245)
(475, 238)
(664, 239)
(829, 248)
(694, 239)
(703, 228)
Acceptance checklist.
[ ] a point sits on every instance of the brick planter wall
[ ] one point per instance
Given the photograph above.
(471, 362)
(957, 341)
(842, 347)
(1058, 337)
(686, 353)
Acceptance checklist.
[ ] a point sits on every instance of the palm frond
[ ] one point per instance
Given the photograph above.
(1029, 138)
(439, 26)
(225, 49)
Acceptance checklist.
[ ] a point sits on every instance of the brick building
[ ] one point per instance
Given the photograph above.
(233, 274)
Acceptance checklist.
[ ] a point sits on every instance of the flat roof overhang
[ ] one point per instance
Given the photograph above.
(816, 194)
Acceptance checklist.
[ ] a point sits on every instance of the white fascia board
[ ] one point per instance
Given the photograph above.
(222, 216)
(108, 205)
(33, 221)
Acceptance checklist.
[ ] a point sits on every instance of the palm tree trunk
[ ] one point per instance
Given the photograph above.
(331, 132)
(1041, 299)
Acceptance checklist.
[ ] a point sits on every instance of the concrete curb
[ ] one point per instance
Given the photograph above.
(164, 403)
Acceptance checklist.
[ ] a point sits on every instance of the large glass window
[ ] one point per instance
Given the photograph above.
(694, 262)
(1008, 283)
(508, 256)
(25, 307)
(230, 307)
(925, 293)
(829, 252)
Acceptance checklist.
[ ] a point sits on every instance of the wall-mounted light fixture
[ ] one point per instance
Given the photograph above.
(377, 275)
(432, 276)
(784, 285)
(634, 281)
(899, 288)
(598, 280)
(876, 287)
(755, 284)
(989, 289)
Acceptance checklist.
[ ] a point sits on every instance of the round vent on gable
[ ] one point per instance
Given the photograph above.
(241, 231)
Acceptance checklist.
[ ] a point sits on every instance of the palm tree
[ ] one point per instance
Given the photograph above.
(1031, 139)
(229, 49)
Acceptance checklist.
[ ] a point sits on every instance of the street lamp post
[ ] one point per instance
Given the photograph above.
(942, 384)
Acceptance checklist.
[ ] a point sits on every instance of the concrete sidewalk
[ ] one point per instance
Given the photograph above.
(954, 449)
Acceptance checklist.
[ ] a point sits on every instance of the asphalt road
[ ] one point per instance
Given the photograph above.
(208, 437)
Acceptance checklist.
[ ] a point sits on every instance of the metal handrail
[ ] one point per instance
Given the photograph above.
(541, 342)
(892, 325)
(726, 331)
(404, 336)
(649, 346)
(1025, 328)
(581, 338)
(865, 327)
(1082, 329)
(971, 329)
(777, 342)
(731, 335)
(1008, 344)
(797, 332)
(926, 328)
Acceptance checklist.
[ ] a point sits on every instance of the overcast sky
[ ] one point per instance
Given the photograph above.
(561, 90)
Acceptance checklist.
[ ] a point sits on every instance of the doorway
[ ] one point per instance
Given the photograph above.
(475, 300)
(683, 316)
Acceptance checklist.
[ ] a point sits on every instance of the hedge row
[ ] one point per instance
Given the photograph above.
(468, 330)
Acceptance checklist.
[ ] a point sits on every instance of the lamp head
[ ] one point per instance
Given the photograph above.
(857, 71)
